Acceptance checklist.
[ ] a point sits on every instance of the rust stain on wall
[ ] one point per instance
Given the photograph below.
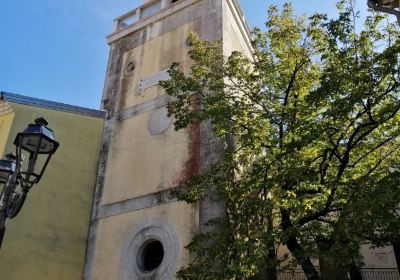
(192, 165)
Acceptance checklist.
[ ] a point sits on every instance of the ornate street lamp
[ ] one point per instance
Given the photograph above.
(17, 176)
(386, 6)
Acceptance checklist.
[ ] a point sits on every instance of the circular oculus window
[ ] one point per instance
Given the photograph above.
(150, 251)
(150, 256)
(130, 67)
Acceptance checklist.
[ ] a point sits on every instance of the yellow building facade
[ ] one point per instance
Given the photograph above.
(47, 240)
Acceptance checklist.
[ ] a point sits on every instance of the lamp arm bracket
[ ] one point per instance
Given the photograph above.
(16, 205)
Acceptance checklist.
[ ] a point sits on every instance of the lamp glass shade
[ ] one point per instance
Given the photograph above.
(7, 167)
(35, 135)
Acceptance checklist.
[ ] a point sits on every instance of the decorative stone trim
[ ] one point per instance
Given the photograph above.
(134, 204)
(141, 108)
(156, 229)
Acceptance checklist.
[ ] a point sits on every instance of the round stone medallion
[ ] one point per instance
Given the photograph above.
(158, 122)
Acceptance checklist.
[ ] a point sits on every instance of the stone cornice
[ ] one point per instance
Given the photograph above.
(31, 101)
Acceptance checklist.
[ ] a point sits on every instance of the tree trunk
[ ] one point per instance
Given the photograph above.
(396, 250)
(297, 250)
(269, 270)
(355, 273)
(300, 255)
(329, 270)
(332, 272)
(267, 274)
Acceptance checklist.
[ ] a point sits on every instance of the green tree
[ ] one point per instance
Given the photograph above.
(313, 118)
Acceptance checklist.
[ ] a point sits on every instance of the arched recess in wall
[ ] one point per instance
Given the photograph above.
(150, 251)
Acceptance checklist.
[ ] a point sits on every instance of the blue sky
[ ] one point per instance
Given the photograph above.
(56, 49)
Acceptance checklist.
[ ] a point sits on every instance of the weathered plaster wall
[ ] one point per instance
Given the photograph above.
(378, 257)
(137, 169)
(154, 55)
(113, 231)
(155, 166)
(140, 163)
(6, 118)
(47, 239)
(236, 36)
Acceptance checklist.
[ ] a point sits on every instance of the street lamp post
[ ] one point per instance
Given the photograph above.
(17, 176)
(386, 6)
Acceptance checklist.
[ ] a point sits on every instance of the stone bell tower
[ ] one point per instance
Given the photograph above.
(138, 231)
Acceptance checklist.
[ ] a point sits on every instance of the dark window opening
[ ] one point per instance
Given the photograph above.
(152, 256)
